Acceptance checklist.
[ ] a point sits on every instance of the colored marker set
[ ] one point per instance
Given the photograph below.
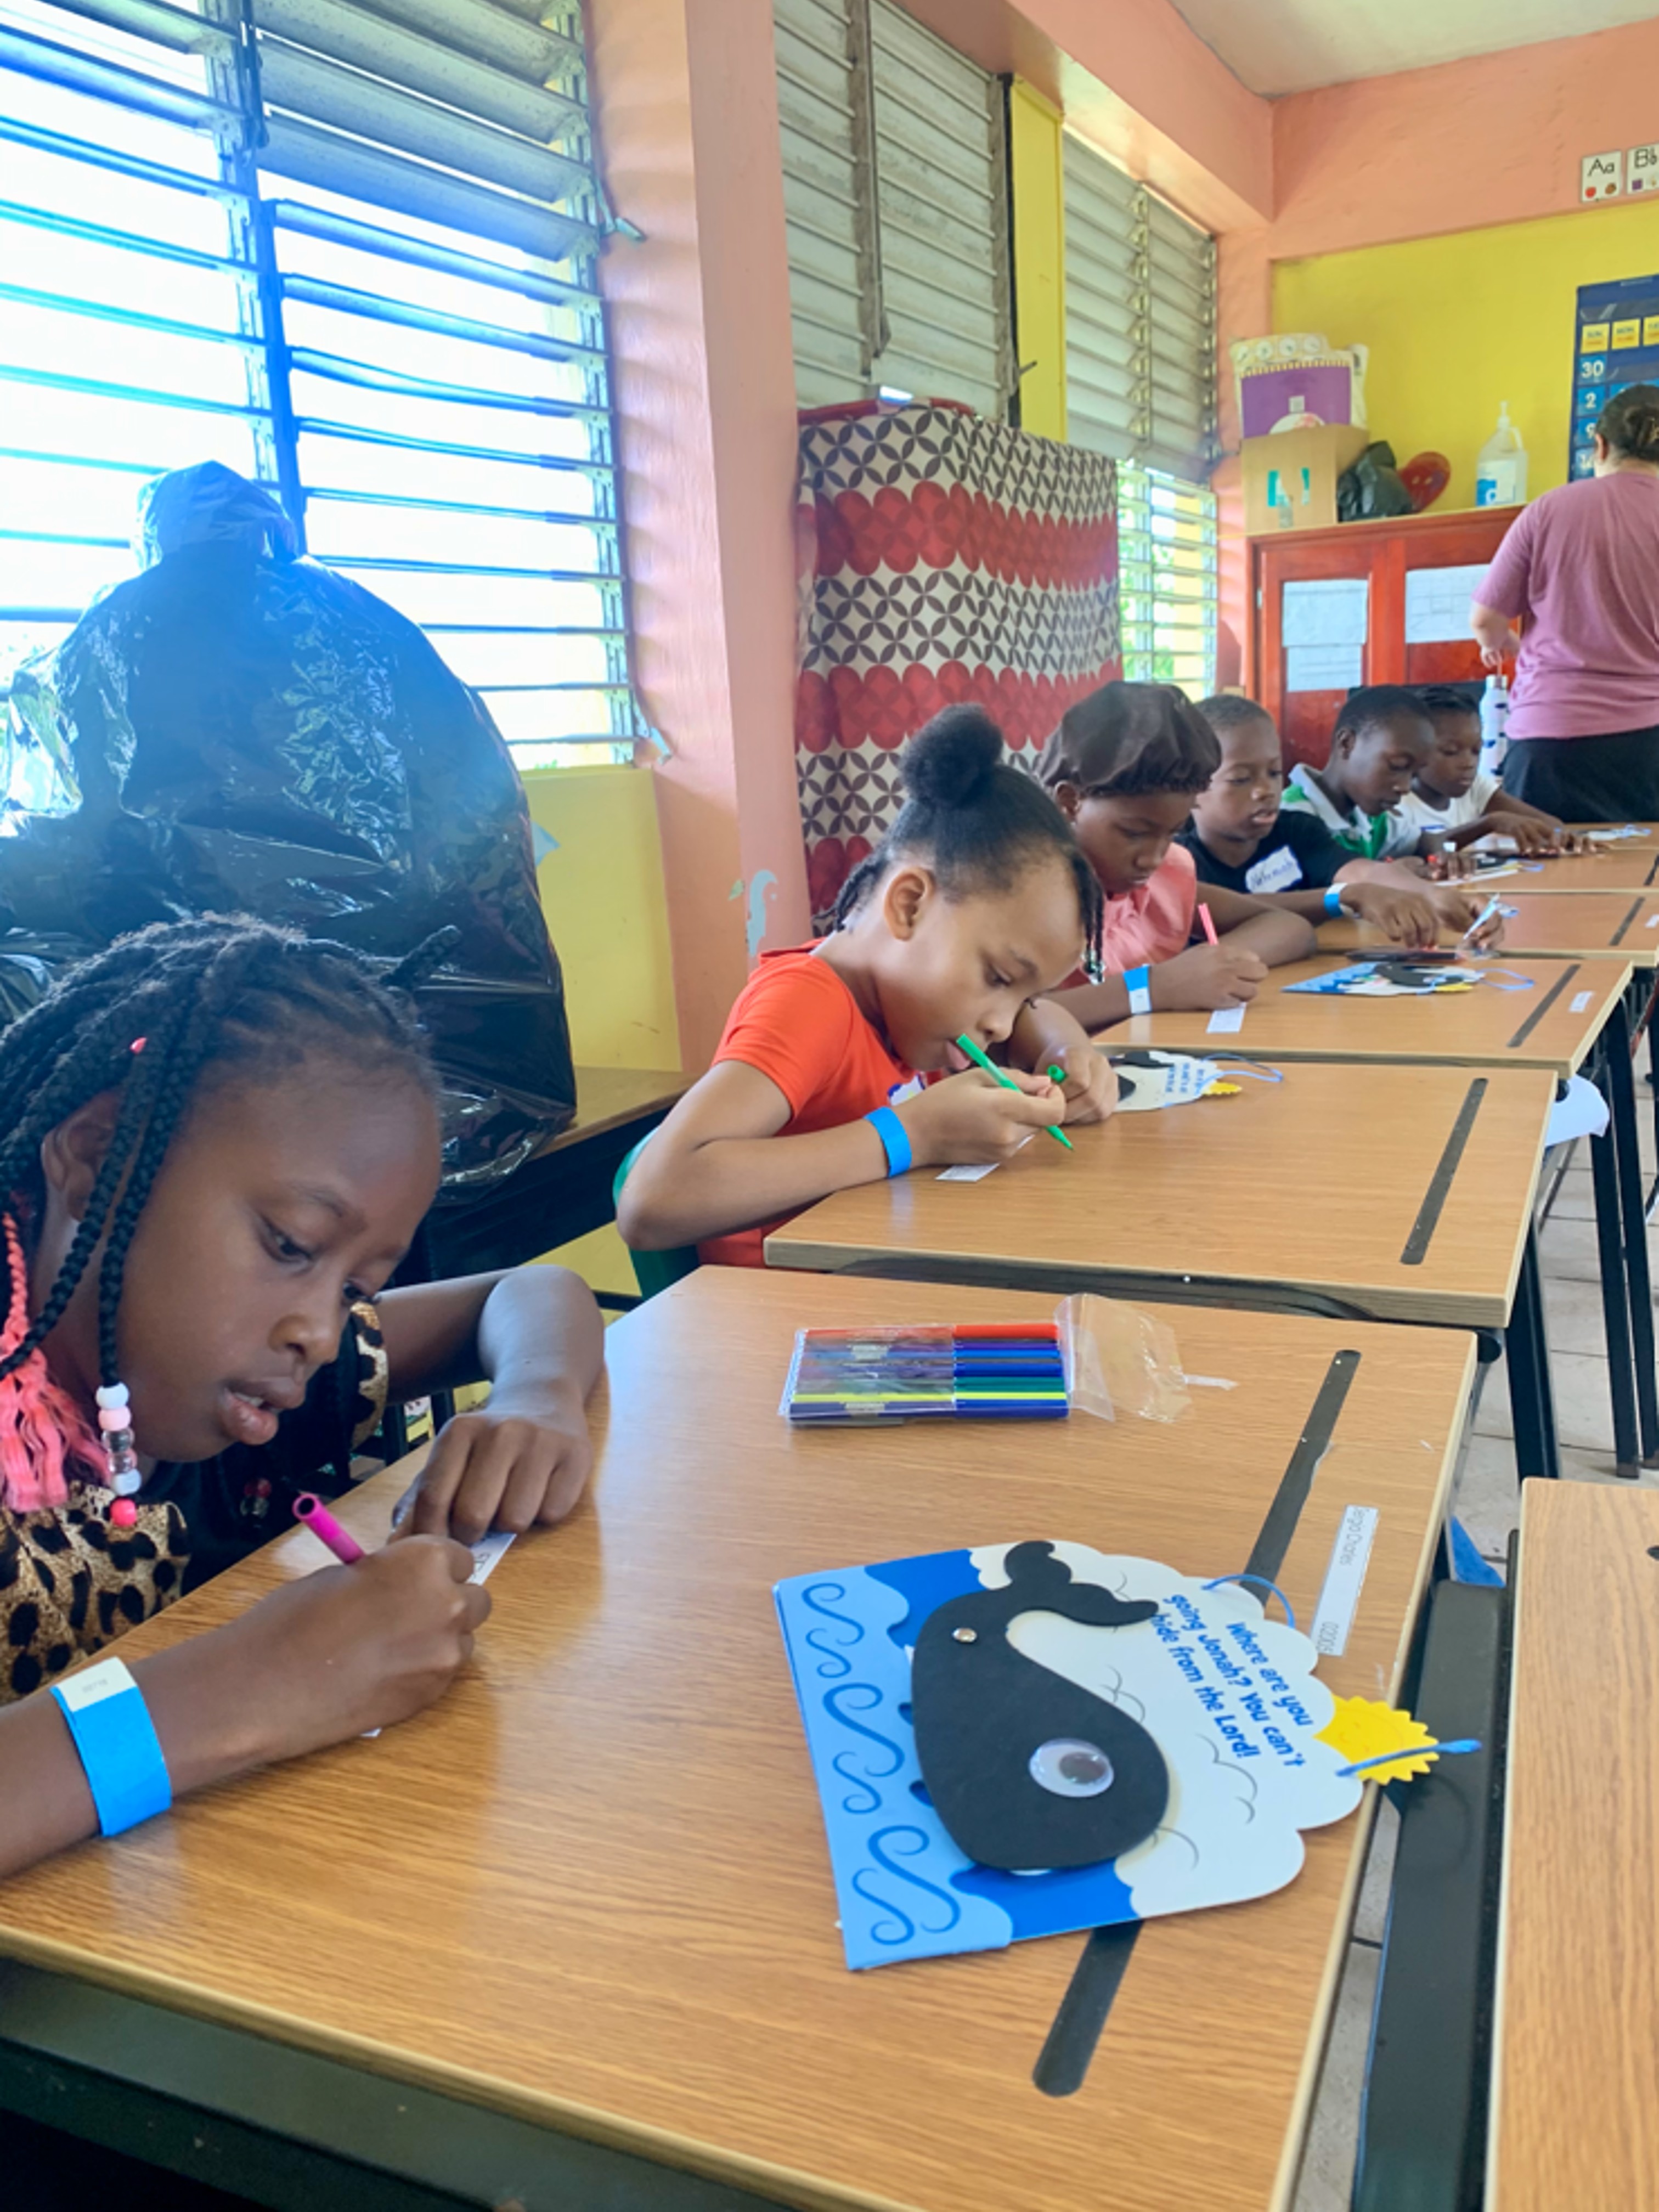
(1014, 1371)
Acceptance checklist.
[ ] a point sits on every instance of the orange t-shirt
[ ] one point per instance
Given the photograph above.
(798, 1023)
(1156, 921)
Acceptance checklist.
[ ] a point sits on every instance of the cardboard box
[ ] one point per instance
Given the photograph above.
(1289, 480)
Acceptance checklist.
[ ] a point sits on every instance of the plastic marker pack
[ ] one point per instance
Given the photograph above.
(1001, 1371)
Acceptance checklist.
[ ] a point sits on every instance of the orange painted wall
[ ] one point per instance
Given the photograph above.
(687, 119)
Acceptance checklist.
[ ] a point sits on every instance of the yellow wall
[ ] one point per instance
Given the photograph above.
(1455, 325)
(602, 891)
(1039, 196)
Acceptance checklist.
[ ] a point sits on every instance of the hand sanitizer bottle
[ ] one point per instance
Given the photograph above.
(1500, 473)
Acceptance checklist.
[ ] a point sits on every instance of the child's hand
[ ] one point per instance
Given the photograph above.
(522, 1459)
(971, 1120)
(1410, 917)
(1207, 977)
(1091, 1085)
(1448, 866)
(1457, 911)
(1529, 836)
(350, 1649)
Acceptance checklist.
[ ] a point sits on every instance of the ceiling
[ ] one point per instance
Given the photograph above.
(1291, 45)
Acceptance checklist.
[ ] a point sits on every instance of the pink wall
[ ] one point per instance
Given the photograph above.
(1136, 80)
(687, 118)
(1497, 139)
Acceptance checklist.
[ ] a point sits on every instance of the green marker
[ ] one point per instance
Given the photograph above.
(967, 1045)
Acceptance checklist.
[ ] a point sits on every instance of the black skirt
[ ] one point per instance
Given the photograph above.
(1613, 779)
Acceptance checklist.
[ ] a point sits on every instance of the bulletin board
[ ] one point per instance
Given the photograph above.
(1615, 343)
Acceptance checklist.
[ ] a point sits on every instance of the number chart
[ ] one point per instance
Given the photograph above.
(1616, 343)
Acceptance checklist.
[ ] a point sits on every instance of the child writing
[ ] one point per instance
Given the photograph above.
(217, 1141)
(975, 903)
(1242, 838)
(1125, 766)
(1382, 738)
(1452, 792)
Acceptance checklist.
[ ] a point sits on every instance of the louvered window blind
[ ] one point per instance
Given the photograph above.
(895, 168)
(1140, 380)
(346, 246)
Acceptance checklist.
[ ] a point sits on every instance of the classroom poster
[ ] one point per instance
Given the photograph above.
(1615, 343)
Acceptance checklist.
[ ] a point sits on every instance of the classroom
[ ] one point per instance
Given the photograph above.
(828, 939)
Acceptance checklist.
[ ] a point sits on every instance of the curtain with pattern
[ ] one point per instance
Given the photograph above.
(942, 557)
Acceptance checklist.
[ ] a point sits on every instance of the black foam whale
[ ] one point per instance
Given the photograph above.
(1024, 1768)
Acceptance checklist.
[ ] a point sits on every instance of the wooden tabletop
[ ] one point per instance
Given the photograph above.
(1627, 866)
(607, 1096)
(590, 1887)
(1575, 2117)
(1318, 1182)
(1557, 926)
(1552, 1024)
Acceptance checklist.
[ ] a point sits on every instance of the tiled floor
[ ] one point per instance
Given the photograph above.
(1487, 1502)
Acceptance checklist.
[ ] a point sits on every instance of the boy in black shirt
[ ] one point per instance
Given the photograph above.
(1239, 836)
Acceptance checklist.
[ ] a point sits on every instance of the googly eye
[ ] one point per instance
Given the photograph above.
(1068, 1767)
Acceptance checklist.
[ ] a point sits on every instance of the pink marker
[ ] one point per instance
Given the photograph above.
(1209, 925)
(310, 1508)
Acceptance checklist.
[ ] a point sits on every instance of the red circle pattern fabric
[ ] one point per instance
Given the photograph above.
(943, 558)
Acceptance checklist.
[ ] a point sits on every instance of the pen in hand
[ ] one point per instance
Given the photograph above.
(966, 1044)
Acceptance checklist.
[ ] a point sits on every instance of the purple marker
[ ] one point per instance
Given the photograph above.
(310, 1508)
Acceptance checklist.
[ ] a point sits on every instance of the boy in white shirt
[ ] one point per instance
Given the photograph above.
(1451, 790)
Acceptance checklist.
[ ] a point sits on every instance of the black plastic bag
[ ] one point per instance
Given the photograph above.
(237, 731)
(1372, 488)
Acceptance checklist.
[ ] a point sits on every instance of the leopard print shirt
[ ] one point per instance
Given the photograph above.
(69, 1583)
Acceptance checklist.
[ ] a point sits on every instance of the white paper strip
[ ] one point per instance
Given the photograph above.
(1344, 1579)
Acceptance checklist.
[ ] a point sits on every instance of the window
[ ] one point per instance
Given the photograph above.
(895, 172)
(1141, 378)
(348, 247)
(1166, 552)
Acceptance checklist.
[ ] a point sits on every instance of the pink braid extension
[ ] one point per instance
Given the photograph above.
(44, 1438)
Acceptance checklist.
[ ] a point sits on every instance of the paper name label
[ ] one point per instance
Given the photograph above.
(1226, 1021)
(1344, 1579)
(1581, 1000)
(1279, 872)
(487, 1553)
(969, 1174)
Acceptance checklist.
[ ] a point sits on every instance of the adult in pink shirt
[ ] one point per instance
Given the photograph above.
(1580, 567)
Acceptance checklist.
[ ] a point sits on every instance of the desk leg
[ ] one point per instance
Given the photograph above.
(1531, 1400)
(1615, 1294)
(1622, 1100)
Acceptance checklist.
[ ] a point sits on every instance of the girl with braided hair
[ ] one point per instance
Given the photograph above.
(975, 903)
(217, 1140)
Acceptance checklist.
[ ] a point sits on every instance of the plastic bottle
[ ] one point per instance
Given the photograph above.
(1494, 724)
(1500, 473)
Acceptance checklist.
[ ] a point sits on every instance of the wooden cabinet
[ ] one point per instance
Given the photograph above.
(1382, 554)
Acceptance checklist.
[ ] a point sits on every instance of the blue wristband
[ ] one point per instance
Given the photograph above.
(1333, 899)
(113, 1731)
(1139, 983)
(895, 1141)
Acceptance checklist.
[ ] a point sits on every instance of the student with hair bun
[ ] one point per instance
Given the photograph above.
(1580, 568)
(976, 902)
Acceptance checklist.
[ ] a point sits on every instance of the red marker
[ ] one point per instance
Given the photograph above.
(1209, 925)
(310, 1508)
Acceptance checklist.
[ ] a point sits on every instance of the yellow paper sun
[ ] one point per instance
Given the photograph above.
(1365, 1728)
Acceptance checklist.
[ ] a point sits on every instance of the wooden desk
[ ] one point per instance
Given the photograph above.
(591, 1889)
(1316, 1182)
(609, 1098)
(1575, 2118)
(1553, 1025)
(1627, 866)
(1623, 925)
